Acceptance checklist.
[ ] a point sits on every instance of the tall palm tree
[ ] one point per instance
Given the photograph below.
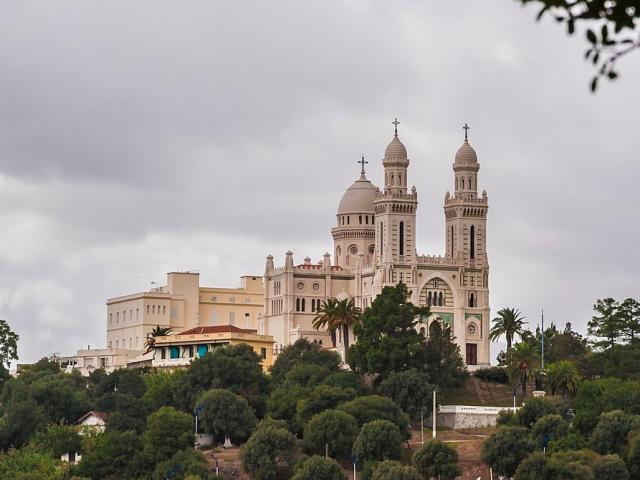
(523, 362)
(157, 331)
(563, 378)
(337, 314)
(509, 322)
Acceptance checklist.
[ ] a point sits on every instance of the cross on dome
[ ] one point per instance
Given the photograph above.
(362, 162)
(396, 123)
(466, 129)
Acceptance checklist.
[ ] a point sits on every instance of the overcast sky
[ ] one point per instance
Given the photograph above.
(142, 137)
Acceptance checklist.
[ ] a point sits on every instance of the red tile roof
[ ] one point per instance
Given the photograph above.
(217, 329)
(101, 415)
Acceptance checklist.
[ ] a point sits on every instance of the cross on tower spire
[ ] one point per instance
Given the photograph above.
(362, 162)
(466, 130)
(396, 123)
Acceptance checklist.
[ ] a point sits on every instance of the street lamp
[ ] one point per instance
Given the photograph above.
(197, 412)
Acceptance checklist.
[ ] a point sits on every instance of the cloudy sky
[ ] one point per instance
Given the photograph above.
(138, 138)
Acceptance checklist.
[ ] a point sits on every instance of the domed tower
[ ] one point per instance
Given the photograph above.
(466, 211)
(355, 229)
(395, 210)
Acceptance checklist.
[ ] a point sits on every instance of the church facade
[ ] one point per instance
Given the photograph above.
(374, 245)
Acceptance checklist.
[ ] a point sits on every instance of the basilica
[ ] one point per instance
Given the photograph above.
(374, 245)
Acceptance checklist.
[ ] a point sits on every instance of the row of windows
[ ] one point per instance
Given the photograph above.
(462, 183)
(391, 179)
(276, 306)
(301, 303)
(472, 242)
(192, 351)
(435, 299)
(124, 343)
(232, 299)
(362, 219)
(277, 289)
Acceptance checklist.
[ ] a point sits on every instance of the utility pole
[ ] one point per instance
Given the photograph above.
(434, 414)
(542, 339)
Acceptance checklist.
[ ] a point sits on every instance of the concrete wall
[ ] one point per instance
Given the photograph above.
(460, 417)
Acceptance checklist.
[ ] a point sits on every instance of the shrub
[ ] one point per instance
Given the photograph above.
(336, 429)
(319, 468)
(533, 410)
(391, 470)
(610, 434)
(548, 428)
(378, 440)
(374, 407)
(437, 460)
(181, 465)
(493, 374)
(505, 449)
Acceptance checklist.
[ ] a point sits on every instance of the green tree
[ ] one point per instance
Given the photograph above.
(607, 324)
(321, 398)
(523, 362)
(563, 378)
(168, 430)
(29, 463)
(378, 440)
(630, 316)
(160, 386)
(610, 433)
(633, 457)
(303, 351)
(533, 410)
(306, 374)
(345, 379)
(157, 331)
(264, 450)
(333, 429)
(548, 428)
(534, 467)
(603, 395)
(319, 468)
(437, 460)
(509, 323)
(58, 440)
(505, 449)
(387, 337)
(392, 470)
(282, 404)
(442, 357)
(571, 441)
(22, 420)
(565, 345)
(233, 367)
(112, 455)
(611, 467)
(338, 315)
(8, 346)
(374, 407)
(613, 31)
(182, 464)
(411, 391)
(226, 414)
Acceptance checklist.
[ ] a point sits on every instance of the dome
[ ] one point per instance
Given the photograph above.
(466, 154)
(395, 149)
(358, 198)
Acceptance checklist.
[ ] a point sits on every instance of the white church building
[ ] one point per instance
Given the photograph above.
(374, 245)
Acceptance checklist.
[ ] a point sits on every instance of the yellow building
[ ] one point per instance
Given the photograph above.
(183, 304)
(179, 350)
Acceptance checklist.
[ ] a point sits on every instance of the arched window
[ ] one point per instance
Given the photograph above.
(303, 304)
(360, 219)
(440, 299)
(470, 184)
(452, 247)
(297, 304)
(381, 238)
(472, 244)
(400, 179)
(366, 219)
(472, 300)
(456, 183)
(348, 219)
(401, 238)
(462, 180)
(392, 179)
(429, 298)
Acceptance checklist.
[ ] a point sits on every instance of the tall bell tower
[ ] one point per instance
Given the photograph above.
(395, 215)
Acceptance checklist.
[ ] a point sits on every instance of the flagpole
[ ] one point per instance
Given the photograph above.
(543, 338)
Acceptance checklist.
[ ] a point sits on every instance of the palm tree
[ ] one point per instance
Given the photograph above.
(563, 378)
(509, 322)
(337, 314)
(158, 331)
(523, 361)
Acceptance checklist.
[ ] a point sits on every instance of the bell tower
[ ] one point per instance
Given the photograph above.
(395, 215)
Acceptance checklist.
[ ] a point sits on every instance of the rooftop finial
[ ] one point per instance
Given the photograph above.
(396, 123)
(466, 131)
(362, 162)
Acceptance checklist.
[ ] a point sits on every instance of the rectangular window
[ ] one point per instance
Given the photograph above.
(111, 318)
(263, 353)
(247, 300)
(148, 309)
(164, 309)
(232, 318)
(232, 299)
(137, 313)
(214, 316)
(174, 313)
